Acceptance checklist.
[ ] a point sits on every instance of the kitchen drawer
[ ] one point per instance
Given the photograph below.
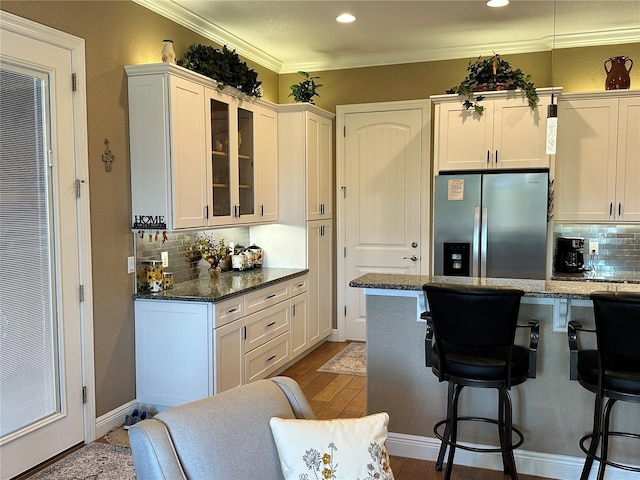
(265, 297)
(299, 285)
(229, 310)
(267, 358)
(266, 324)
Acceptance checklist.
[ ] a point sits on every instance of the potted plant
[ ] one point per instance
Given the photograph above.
(493, 73)
(223, 66)
(306, 89)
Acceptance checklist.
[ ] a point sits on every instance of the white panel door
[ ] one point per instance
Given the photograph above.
(40, 310)
(383, 171)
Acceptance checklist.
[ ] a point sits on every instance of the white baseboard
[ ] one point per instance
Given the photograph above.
(334, 337)
(530, 463)
(110, 420)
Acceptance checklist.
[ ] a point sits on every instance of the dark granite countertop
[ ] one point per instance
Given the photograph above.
(532, 288)
(591, 276)
(227, 285)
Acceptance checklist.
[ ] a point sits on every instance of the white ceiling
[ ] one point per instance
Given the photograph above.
(287, 36)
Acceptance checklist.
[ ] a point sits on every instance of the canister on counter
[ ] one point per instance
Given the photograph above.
(151, 279)
(167, 280)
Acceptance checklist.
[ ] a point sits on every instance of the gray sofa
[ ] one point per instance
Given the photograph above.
(223, 437)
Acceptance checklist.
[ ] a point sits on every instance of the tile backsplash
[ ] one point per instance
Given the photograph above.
(149, 248)
(618, 249)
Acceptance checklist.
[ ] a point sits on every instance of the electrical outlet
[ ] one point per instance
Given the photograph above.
(593, 248)
(165, 259)
(131, 265)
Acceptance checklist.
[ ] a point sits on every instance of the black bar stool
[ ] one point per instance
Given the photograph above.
(612, 371)
(474, 330)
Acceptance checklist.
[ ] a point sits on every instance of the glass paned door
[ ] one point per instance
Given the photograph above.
(220, 159)
(29, 367)
(42, 151)
(246, 188)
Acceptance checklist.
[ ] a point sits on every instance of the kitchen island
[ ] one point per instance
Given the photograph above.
(552, 411)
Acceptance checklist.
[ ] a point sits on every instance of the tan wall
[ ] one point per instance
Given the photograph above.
(119, 33)
(574, 69)
(116, 33)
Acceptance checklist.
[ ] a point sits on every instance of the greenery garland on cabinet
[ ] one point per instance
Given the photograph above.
(223, 66)
(493, 73)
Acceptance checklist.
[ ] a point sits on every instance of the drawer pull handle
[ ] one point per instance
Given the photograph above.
(271, 358)
(271, 296)
(271, 324)
(301, 285)
(232, 310)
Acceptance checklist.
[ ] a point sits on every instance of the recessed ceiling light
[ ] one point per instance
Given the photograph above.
(346, 18)
(498, 3)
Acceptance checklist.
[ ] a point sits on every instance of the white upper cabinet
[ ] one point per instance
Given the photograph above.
(509, 134)
(267, 164)
(200, 157)
(319, 135)
(598, 157)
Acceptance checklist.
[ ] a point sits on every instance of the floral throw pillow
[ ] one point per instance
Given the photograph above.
(340, 449)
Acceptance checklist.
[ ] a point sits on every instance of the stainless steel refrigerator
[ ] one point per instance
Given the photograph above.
(491, 225)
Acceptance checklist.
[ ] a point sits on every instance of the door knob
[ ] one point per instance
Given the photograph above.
(413, 258)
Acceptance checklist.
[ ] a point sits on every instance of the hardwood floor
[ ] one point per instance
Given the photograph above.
(340, 396)
(344, 396)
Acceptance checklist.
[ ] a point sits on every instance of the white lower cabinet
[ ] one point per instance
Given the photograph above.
(299, 324)
(320, 248)
(173, 354)
(267, 358)
(228, 345)
(188, 350)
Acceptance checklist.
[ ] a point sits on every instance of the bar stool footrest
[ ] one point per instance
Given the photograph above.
(609, 462)
(479, 449)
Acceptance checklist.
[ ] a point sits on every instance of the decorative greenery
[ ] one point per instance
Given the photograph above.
(305, 90)
(493, 73)
(205, 247)
(223, 66)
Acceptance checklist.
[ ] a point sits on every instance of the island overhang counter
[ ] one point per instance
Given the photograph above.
(552, 411)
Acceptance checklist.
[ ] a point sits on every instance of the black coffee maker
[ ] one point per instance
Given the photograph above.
(569, 256)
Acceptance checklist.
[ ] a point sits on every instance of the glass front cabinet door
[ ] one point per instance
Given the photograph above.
(231, 134)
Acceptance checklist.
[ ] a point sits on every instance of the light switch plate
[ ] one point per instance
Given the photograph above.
(165, 259)
(131, 265)
(593, 248)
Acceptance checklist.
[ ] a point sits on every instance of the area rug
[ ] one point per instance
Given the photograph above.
(352, 360)
(95, 461)
(118, 436)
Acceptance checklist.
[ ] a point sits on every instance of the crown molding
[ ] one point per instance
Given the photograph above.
(197, 24)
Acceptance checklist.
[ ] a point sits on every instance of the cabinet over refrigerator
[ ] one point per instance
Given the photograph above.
(491, 224)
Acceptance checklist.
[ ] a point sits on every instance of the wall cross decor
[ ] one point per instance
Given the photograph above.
(107, 156)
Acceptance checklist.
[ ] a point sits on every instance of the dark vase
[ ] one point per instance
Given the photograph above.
(617, 73)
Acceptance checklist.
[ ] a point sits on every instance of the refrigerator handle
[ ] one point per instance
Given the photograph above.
(483, 239)
(475, 255)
